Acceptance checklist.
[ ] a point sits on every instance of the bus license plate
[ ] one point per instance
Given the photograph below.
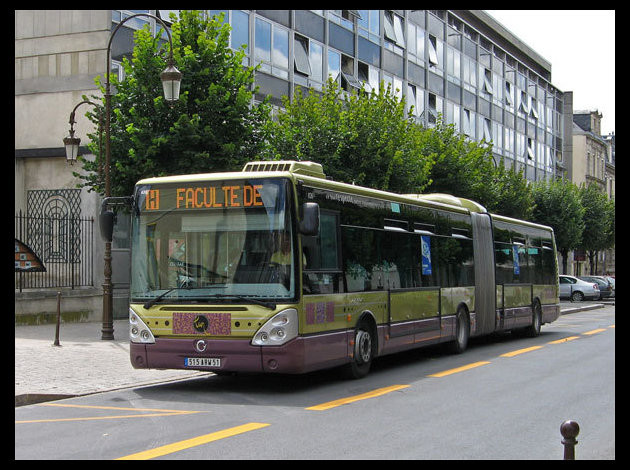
(202, 361)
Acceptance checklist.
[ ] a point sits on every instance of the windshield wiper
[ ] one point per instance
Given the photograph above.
(269, 305)
(152, 302)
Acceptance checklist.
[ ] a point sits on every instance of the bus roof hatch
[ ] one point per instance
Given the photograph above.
(303, 168)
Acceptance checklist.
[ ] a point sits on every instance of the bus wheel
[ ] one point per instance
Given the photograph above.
(363, 352)
(460, 343)
(533, 330)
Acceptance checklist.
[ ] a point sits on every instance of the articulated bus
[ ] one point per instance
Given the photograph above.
(278, 269)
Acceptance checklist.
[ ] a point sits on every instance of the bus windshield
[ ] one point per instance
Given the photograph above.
(213, 242)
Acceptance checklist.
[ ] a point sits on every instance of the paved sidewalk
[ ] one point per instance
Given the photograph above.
(85, 364)
(81, 365)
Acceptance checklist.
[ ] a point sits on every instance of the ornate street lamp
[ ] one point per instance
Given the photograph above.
(171, 80)
(71, 143)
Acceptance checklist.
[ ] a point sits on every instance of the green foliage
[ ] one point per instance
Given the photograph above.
(361, 138)
(510, 192)
(598, 231)
(558, 204)
(212, 127)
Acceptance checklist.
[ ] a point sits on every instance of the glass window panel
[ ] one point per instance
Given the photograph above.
(300, 46)
(263, 40)
(334, 64)
(398, 29)
(316, 60)
(240, 30)
(281, 47)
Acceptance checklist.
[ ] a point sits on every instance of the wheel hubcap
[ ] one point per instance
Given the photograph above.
(364, 346)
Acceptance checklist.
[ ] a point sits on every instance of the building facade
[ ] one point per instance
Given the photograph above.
(593, 162)
(459, 64)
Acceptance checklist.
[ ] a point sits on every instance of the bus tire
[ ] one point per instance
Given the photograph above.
(363, 353)
(462, 331)
(533, 330)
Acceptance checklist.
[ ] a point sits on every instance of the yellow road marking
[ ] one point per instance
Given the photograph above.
(520, 351)
(157, 410)
(592, 332)
(342, 401)
(93, 418)
(157, 413)
(563, 340)
(195, 441)
(459, 369)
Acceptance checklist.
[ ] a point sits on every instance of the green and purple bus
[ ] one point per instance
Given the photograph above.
(278, 269)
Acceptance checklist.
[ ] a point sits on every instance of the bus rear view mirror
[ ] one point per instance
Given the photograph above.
(310, 219)
(106, 222)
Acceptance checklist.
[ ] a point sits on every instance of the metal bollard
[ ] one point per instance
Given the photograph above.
(569, 430)
(56, 343)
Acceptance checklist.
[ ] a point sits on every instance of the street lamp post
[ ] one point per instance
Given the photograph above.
(171, 79)
(71, 143)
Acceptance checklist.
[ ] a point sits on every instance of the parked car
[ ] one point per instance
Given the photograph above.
(612, 282)
(605, 288)
(576, 289)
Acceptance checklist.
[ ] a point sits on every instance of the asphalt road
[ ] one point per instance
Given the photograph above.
(504, 398)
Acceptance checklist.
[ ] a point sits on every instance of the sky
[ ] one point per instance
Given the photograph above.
(580, 45)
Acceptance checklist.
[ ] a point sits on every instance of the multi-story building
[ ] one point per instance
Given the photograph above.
(593, 163)
(460, 64)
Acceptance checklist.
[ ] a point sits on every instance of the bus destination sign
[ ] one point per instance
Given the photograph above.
(203, 197)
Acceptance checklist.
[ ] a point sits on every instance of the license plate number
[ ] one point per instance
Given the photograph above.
(202, 361)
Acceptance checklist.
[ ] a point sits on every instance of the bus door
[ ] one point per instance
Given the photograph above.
(485, 294)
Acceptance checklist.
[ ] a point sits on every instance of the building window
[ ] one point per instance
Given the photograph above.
(369, 24)
(334, 65)
(415, 43)
(470, 74)
(368, 75)
(344, 18)
(435, 108)
(485, 77)
(415, 101)
(453, 115)
(435, 51)
(300, 51)
(509, 95)
(468, 124)
(453, 65)
(487, 132)
(308, 61)
(239, 35)
(394, 36)
(272, 48)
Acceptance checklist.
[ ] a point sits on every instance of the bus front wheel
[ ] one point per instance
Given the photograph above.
(363, 353)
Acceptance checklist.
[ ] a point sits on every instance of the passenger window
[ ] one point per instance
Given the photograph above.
(322, 273)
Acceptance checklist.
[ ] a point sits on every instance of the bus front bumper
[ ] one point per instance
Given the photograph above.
(300, 355)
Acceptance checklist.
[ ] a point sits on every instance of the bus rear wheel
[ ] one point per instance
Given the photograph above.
(533, 330)
(462, 332)
(363, 353)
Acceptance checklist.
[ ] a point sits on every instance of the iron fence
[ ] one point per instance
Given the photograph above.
(64, 244)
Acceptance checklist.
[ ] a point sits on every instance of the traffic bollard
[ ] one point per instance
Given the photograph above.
(56, 343)
(569, 430)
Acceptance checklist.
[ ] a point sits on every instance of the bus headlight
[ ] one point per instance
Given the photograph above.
(139, 332)
(279, 329)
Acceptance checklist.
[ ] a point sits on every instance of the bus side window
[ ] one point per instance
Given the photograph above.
(321, 257)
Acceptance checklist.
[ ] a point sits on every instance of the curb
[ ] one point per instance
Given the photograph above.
(34, 398)
(584, 308)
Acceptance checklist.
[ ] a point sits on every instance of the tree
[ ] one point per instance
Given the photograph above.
(511, 193)
(558, 204)
(462, 167)
(361, 138)
(213, 126)
(595, 236)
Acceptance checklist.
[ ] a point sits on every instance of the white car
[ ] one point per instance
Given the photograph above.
(577, 290)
